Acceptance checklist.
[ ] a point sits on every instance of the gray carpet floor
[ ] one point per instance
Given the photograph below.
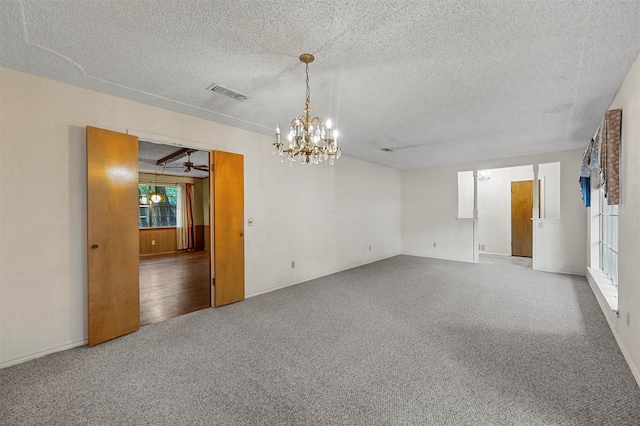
(403, 341)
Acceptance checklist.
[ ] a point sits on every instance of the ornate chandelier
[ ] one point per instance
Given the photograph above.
(309, 138)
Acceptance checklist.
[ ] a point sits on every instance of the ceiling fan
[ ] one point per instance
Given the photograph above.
(188, 165)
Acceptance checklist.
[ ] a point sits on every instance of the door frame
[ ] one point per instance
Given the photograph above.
(185, 143)
(151, 137)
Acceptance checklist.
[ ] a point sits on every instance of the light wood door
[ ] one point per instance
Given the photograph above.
(521, 223)
(228, 227)
(112, 234)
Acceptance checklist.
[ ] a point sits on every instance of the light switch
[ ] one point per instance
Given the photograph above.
(250, 221)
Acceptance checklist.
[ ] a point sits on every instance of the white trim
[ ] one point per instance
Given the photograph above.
(609, 316)
(605, 287)
(476, 251)
(580, 274)
(304, 280)
(548, 219)
(436, 257)
(40, 354)
(535, 215)
(625, 354)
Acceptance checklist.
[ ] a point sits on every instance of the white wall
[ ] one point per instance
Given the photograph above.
(626, 325)
(429, 209)
(351, 206)
(429, 215)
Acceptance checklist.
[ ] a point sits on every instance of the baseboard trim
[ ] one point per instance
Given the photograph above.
(605, 287)
(580, 274)
(436, 257)
(285, 285)
(46, 352)
(625, 354)
(608, 315)
(40, 354)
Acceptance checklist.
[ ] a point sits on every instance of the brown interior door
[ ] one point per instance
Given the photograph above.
(112, 234)
(228, 227)
(521, 223)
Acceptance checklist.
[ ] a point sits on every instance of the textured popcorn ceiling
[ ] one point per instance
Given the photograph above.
(437, 81)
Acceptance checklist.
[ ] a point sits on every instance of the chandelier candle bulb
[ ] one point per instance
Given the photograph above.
(309, 138)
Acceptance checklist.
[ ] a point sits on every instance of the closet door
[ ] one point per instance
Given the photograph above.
(228, 227)
(112, 234)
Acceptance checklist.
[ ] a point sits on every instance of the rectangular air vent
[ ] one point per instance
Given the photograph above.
(227, 92)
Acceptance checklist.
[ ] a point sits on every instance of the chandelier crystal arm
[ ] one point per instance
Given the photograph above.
(309, 138)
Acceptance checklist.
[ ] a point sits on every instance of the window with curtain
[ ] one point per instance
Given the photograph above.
(155, 215)
(601, 164)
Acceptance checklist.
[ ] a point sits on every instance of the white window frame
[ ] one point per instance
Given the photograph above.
(608, 238)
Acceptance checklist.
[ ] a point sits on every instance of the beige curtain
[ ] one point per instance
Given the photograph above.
(610, 155)
(185, 230)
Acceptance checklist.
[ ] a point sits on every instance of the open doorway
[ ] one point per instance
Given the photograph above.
(488, 200)
(113, 231)
(173, 218)
(499, 229)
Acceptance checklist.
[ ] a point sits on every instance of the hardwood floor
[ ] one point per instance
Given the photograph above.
(173, 284)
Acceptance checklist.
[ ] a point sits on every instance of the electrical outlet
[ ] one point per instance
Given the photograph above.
(293, 264)
(434, 244)
(153, 242)
(369, 248)
(628, 318)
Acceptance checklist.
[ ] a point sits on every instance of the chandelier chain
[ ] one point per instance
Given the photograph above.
(308, 101)
(310, 140)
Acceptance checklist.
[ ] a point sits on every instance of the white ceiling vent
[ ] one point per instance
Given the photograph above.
(227, 92)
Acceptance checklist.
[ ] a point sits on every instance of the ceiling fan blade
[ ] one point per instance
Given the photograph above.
(178, 153)
(202, 168)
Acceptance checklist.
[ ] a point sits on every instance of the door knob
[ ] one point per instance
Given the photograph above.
(94, 246)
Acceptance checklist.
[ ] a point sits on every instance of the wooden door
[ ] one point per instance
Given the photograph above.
(112, 234)
(228, 227)
(521, 214)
